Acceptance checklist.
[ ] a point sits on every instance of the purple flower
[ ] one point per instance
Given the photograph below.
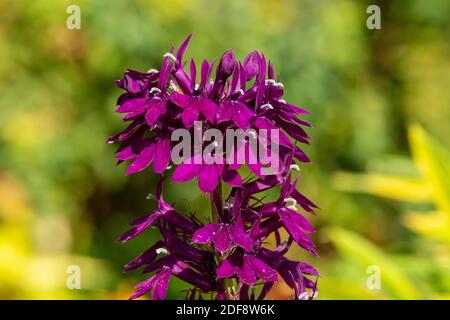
(244, 96)
(157, 285)
(247, 268)
(224, 235)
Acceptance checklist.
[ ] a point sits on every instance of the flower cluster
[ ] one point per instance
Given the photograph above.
(229, 257)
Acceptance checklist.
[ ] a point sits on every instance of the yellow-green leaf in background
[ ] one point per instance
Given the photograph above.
(392, 187)
(434, 225)
(340, 289)
(433, 161)
(364, 253)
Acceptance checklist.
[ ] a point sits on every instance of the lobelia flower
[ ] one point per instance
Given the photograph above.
(228, 256)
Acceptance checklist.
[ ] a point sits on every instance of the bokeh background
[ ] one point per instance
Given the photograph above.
(379, 102)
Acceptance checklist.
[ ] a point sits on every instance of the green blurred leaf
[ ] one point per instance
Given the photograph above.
(364, 253)
(433, 161)
(434, 225)
(341, 289)
(392, 187)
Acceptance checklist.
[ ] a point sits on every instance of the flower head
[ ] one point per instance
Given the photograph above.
(243, 97)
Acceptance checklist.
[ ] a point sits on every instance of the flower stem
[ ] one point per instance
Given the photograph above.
(214, 210)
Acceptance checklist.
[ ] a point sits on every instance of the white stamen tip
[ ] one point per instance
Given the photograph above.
(152, 71)
(228, 205)
(155, 89)
(171, 56)
(292, 207)
(169, 167)
(196, 86)
(267, 106)
(162, 250)
(240, 91)
(294, 167)
(150, 197)
(290, 201)
(270, 81)
(282, 101)
(304, 296)
(279, 84)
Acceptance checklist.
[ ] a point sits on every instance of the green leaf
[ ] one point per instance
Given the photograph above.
(365, 254)
(391, 187)
(433, 161)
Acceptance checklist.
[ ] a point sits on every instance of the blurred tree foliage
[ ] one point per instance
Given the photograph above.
(63, 201)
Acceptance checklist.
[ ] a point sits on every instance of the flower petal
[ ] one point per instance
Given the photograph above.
(143, 160)
(190, 115)
(161, 283)
(155, 108)
(162, 155)
(262, 270)
(222, 242)
(186, 171)
(206, 234)
(239, 237)
(208, 109)
(208, 179)
(226, 270)
(138, 229)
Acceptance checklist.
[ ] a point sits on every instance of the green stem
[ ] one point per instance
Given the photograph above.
(214, 211)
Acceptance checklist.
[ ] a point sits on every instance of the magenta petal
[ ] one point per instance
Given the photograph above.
(209, 109)
(161, 283)
(251, 64)
(241, 115)
(239, 237)
(129, 131)
(186, 171)
(146, 257)
(222, 242)
(299, 220)
(206, 234)
(189, 116)
(151, 115)
(181, 100)
(226, 270)
(208, 178)
(295, 231)
(232, 178)
(246, 274)
(143, 160)
(162, 156)
(182, 49)
(132, 105)
(262, 270)
(132, 151)
(138, 229)
(308, 269)
(154, 110)
(142, 288)
(224, 112)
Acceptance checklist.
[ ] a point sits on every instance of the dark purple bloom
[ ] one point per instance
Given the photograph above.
(244, 96)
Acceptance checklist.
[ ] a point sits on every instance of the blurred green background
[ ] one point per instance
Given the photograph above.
(379, 102)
